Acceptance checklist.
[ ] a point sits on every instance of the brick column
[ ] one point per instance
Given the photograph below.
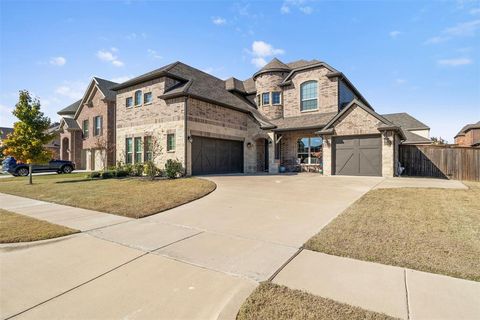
(327, 155)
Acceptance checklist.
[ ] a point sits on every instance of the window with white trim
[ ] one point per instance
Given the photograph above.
(147, 98)
(129, 102)
(276, 98)
(128, 150)
(308, 96)
(97, 126)
(138, 150)
(138, 97)
(265, 98)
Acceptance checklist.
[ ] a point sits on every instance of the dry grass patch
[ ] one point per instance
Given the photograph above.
(19, 228)
(131, 197)
(271, 301)
(433, 230)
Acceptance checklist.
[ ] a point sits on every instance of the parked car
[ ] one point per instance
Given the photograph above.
(15, 168)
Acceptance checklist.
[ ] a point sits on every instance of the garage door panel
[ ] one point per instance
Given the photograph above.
(358, 155)
(211, 156)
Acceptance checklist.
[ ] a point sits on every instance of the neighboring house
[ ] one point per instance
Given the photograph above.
(299, 116)
(54, 145)
(469, 136)
(87, 128)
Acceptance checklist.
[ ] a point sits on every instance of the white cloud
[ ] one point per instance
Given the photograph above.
(58, 61)
(306, 10)
(72, 91)
(287, 5)
(121, 79)
(109, 56)
(464, 29)
(475, 11)
(454, 62)
(219, 21)
(394, 34)
(134, 36)
(284, 9)
(263, 49)
(259, 62)
(154, 54)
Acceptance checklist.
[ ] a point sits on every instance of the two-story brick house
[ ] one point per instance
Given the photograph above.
(87, 127)
(303, 115)
(469, 135)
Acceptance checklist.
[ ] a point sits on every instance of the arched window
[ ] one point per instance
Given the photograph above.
(308, 96)
(138, 97)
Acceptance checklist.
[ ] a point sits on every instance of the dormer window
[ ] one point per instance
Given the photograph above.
(308, 96)
(138, 97)
(265, 98)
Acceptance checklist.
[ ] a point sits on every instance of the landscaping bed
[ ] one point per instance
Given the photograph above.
(271, 301)
(432, 230)
(131, 197)
(19, 228)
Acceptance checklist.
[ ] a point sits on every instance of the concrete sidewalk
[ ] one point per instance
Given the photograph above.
(395, 291)
(76, 218)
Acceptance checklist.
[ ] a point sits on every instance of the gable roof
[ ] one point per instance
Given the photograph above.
(71, 109)
(104, 86)
(4, 132)
(467, 128)
(405, 121)
(355, 102)
(70, 123)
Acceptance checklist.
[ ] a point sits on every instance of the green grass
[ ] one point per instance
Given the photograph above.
(131, 197)
(19, 228)
(432, 230)
(271, 301)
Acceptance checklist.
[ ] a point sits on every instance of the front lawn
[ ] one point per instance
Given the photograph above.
(271, 301)
(19, 228)
(432, 230)
(131, 197)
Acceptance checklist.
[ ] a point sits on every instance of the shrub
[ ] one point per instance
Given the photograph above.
(173, 169)
(151, 170)
(128, 168)
(93, 175)
(137, 169)
(107, 174)
(120, 173)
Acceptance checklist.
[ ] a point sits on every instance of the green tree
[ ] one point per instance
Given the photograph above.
(26, 143)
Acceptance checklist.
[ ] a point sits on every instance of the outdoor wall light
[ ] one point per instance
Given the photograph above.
(190, 139)
(249, 145)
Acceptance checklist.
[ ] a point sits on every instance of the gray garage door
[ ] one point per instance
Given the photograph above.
(358, 155)
(211, 156)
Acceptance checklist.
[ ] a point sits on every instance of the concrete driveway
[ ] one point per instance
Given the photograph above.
(198, 261)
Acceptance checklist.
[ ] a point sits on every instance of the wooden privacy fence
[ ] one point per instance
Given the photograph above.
(446, 162)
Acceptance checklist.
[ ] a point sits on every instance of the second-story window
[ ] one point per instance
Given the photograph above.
(128, 150)
(308, 96)
(265, 98)
(97, 126)
(85, 128)
(147, 98)
(129, 102)
(138, 97)
(259, 102)
(276, 98)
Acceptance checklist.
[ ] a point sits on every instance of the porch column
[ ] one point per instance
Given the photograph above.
(272, 163)
(327, 155)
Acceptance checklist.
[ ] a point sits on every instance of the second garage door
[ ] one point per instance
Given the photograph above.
(211, 156)
(358, 155)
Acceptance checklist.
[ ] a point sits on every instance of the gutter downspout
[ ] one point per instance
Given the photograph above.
(185, 134)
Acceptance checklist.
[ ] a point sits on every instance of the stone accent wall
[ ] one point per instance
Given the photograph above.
(327, 155)
(156, 119)
(356, 121)
(211, 120)
(269, 82)
(327, 92)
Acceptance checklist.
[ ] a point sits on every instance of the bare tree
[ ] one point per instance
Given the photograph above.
(105, 148)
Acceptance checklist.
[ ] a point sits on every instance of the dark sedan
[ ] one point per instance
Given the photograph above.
(15, 168)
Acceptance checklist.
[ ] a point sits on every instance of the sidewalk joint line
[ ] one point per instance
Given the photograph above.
(77, 286)
(284, 265)
(406, 292)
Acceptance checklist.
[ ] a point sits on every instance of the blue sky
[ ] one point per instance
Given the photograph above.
(420, 57)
